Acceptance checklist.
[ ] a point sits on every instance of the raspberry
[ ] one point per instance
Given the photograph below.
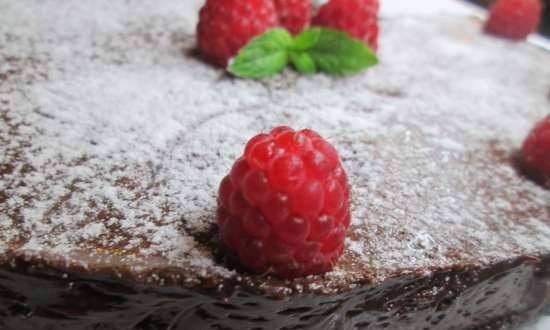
(225, 26)
(514, 19)
(536, 153)
(294, 15)
(284, 207)
(359, 18)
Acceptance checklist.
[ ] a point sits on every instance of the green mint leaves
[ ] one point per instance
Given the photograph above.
(263, 56)
(315, 49)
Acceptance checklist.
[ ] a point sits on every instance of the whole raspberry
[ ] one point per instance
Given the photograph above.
(225, 26)
(536, 153)
(294, 15)
(284, 207)
(359, 18)
(514, 19)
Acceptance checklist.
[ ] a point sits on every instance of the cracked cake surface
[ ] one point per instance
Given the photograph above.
(115, 135)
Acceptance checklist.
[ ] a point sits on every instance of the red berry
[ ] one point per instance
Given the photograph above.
(286, 201)
(294, 15)
(514, 19)
(536, 152)
(359, 18)
(225, 26)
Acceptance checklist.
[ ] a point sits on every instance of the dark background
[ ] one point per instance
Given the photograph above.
(545, 21)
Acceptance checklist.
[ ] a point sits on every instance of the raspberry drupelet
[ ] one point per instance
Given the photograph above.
(284, 208)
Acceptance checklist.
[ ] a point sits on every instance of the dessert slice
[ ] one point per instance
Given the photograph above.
(115, 138)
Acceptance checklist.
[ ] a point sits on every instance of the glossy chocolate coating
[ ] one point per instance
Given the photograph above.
(40, 298)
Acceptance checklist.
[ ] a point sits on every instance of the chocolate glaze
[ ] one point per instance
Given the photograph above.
(34, 297)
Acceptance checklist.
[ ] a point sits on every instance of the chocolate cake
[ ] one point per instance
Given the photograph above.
(115, 135)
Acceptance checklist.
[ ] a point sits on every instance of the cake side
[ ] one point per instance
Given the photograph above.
(491, 298)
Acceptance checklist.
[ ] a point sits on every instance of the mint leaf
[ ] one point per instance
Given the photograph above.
(323, 49)
(307, 39)
(303, 62)
(263, 56)
(334, 52)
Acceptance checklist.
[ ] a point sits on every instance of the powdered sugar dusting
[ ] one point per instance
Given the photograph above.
(115, 137)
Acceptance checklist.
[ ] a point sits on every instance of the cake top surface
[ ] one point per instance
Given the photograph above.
(114, 137)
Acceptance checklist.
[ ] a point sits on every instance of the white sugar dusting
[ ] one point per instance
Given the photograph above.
(115, 137)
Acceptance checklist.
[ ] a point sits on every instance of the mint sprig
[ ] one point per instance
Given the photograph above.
(315, 49)
(263, 56)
